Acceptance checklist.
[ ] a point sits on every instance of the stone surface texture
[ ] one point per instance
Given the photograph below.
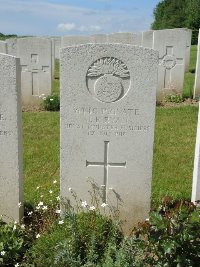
(11, 183)
(196, 171)
(12, 46)
(197, 73)
(3, 47)
(125, 38)
(36, 68)
(108, 96)
(171, 45)
(75, 40)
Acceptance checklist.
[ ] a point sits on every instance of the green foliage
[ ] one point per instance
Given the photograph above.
(177, 14)
(169, 14)
(51, 103)
(4, 36)
(171, 237)
(174, 98)
(82, 239)
(14, 241)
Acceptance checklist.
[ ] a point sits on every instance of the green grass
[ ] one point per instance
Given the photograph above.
(41, 154)
(175, 133)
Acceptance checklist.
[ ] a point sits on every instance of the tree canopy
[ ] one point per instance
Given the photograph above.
(177, 14)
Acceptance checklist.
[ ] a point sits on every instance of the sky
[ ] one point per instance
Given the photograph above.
(75, 17)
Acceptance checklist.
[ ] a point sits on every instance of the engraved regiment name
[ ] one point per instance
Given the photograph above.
(107, 121)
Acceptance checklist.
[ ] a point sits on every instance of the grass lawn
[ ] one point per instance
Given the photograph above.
(175, 133)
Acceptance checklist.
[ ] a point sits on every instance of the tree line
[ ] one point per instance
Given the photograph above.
(178, 14)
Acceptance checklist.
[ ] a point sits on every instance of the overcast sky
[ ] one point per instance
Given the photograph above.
(75, 17)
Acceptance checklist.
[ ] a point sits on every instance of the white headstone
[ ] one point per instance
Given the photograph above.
(147, 39)
(57, 44)
(11, 187)
(171, 45)
(197, 72)
(3, 47)
(125, 38)
(53, 57)
(36, 73)
(196, 171)
(12, 46)
(99, 38)
(108, 96)
(75, 40)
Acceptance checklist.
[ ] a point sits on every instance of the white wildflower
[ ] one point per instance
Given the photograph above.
(51, 99)
(50, 191)
(58, 198)
(17, 265)
(40, 203)
(14, 227)
(92, 208)
(58, 211)
(3, 253)
(84, 204)
(38, 187)
(19, 204)
(61, 222)
(45, 208)
(103, 205)
(54, 182)
(38, 235)
(23, 226)
(30, 213)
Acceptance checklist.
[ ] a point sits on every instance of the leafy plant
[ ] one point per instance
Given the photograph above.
(171, 237)
(14, 241)
(79, 239)
(51, 103)
(174, 98)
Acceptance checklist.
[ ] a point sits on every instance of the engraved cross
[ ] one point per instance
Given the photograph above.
(169, 61)
(105, 164)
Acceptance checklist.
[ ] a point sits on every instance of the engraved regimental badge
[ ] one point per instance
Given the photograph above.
(108, 79)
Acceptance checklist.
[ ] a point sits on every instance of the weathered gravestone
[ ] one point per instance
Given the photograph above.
(126, 38)
(171, 45)
(12, 46)
(196, 171)
(108, 96)
(197, 72)
(36, 73)
(99, 38)
(11, 191)
(57, 45)
(3, 47)
(75, 40)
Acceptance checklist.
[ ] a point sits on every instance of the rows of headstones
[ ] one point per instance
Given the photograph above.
(37, 59)
(108, 99)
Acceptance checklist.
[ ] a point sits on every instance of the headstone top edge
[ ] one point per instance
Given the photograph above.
(63, 49)
(7, 55)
